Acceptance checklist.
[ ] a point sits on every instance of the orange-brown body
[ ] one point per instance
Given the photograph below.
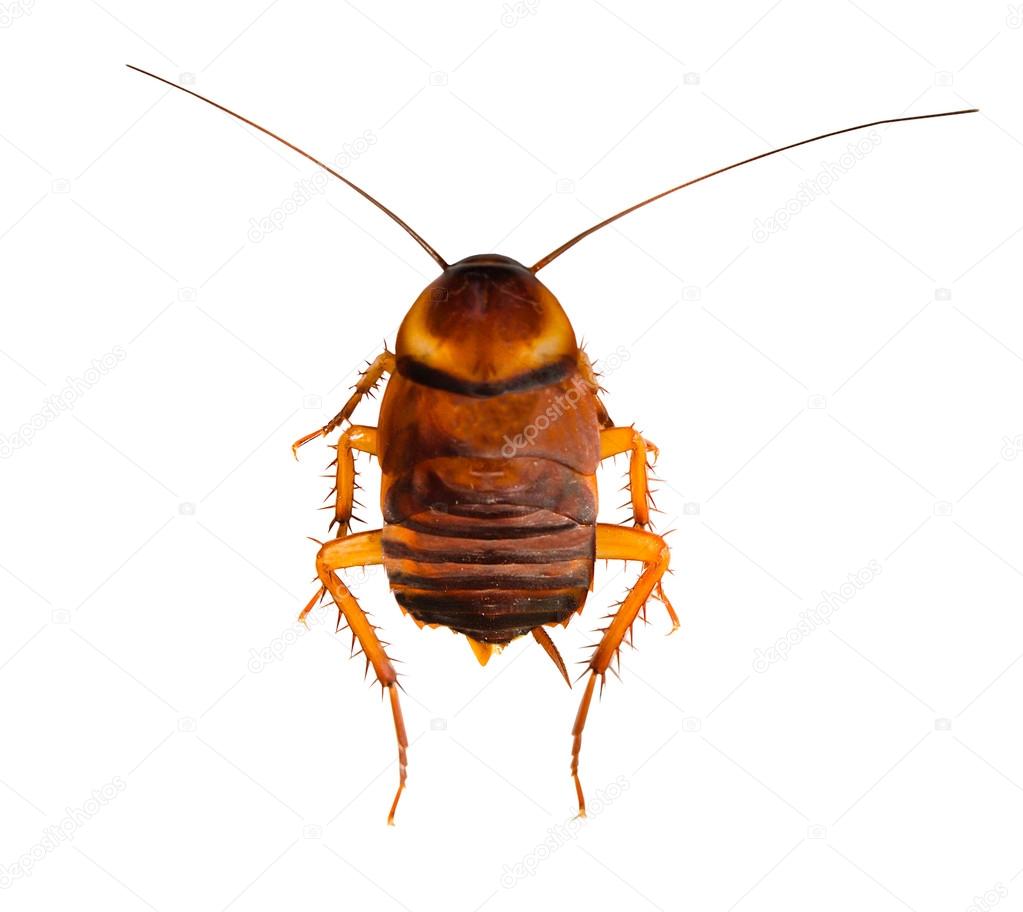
(490, 434)
(489, 441)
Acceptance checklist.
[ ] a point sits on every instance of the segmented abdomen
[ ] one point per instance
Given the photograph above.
(491, 548)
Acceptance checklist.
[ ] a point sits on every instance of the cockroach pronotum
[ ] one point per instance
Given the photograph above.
(488, 538)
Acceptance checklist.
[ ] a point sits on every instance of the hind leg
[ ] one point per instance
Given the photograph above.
(617, 543)
(355, 551)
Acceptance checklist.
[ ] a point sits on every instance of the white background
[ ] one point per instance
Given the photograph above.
(845, 391)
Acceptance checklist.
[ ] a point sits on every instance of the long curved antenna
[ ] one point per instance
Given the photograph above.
(433, 253)
(554, 254)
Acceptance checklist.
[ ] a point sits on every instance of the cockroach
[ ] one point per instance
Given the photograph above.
(486, 532)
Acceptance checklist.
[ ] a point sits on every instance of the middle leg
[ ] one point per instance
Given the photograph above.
(357, 438)
(617, 440)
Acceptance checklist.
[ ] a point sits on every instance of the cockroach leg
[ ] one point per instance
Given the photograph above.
(543, 638)
(384, 364)
(618, 543)
(628, 440)
(311, 605)
(355, 551)
(357, 438)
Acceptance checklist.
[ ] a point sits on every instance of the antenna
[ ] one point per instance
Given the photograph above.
(554, 254)
(433, 253)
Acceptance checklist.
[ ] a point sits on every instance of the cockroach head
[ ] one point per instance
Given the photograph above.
(484, 324)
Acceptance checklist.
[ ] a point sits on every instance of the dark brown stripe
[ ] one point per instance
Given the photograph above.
(491, 616)
(438, 379)
(535, 522)
(536, 577)
(571, 543)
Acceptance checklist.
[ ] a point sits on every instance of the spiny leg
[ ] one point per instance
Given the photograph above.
(357, 438)
(384, 364)
(543, 638)
(628, 440)
(354, 551)
(618, 543)
(616, 549)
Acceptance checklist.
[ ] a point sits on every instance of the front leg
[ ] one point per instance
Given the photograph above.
(628, 440)
(384, 364)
